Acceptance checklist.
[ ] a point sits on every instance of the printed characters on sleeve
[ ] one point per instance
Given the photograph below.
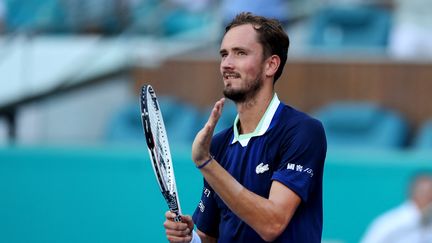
(206, 215)
(302, 158)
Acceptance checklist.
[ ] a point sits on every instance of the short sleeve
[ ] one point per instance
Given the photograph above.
(206, 216)
(303, 153)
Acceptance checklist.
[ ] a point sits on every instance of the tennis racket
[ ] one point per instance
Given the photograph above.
(158, 147)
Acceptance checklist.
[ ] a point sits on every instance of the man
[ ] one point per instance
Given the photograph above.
(410, 221)
(263, 176)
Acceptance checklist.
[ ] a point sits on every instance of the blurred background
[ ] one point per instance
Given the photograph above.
(73, 161)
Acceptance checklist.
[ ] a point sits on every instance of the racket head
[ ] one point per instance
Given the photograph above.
(158, 148)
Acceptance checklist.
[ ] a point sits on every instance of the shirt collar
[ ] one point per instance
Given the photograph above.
(262, 127)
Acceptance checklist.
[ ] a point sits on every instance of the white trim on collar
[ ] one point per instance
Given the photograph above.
(262, 127)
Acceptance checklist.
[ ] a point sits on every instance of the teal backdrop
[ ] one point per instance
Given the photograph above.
(52, 194)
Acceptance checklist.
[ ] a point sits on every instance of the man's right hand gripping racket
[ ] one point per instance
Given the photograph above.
(158, 147)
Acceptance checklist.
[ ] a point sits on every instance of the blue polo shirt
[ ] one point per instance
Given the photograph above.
(287, 146)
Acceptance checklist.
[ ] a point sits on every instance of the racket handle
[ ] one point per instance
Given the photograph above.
(177, 218)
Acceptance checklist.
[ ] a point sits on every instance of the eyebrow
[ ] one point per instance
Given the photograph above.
(222, 51)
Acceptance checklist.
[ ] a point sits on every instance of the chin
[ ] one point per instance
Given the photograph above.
(234, 95)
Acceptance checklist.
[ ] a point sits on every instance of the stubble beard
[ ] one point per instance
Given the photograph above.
(245, 94)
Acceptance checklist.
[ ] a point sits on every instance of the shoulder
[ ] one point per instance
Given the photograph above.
(294, 116)
(298, 123)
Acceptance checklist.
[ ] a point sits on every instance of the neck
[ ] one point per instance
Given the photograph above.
(251, 111)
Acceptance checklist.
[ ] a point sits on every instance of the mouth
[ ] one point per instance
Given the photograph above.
(230, 75)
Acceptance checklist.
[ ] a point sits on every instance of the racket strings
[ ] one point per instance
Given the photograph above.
(162, 148)
(157, 141)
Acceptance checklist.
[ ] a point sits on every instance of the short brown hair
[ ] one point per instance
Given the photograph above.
(271, 36)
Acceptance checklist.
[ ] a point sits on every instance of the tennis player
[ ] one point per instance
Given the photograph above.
(262, 176)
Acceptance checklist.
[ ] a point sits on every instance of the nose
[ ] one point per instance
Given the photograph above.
(227, 63)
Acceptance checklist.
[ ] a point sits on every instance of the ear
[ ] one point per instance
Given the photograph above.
(272, 65)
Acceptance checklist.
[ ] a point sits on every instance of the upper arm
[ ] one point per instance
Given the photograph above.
(302, 159)
(206, 238)
(284, 198)
(285, 203)
(207, 215)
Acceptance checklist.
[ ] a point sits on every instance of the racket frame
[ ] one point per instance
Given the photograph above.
(167, 183)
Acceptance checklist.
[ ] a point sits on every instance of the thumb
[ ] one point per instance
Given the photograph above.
(188, 220)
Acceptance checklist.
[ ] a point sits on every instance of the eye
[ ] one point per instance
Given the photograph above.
(241, 53)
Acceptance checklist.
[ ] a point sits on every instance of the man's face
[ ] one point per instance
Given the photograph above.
(242, 63)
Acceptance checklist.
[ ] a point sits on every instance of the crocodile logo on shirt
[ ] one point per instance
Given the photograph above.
(261, 168)
(201, 206)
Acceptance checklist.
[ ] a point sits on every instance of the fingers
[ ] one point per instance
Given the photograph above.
(216, 113)
(188, 220)
(185, 218)
(202, 141)
(170, 215)
(176, 239)
(178, 231)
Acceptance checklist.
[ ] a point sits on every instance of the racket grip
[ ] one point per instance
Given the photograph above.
(177, 218)
(172, 205)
